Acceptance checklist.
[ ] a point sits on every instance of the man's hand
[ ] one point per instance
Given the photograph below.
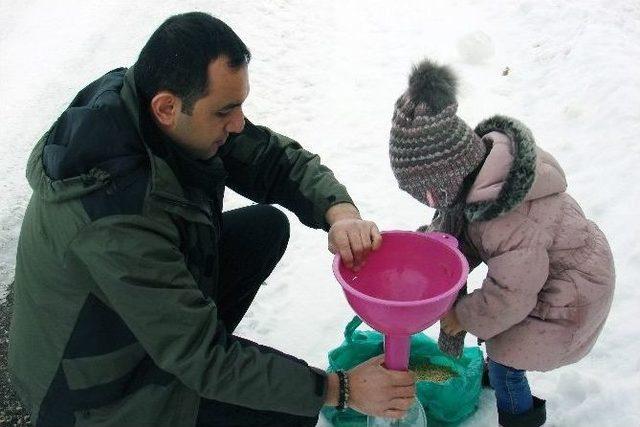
(350, 235)
(381, 392)
(375, 390)
(450, 324)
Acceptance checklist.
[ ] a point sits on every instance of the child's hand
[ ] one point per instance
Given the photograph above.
(450, 324)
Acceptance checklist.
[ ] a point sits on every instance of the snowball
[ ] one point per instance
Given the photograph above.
(476, 47)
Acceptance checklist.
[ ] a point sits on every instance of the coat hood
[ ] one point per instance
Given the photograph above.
(515, 170)
(90, 146)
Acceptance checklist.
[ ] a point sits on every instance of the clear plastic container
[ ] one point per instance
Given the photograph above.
(415, 418)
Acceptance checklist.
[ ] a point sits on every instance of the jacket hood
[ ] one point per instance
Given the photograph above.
(515, 170)
(91, 145)
(99, 143)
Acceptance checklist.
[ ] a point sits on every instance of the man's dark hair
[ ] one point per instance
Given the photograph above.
(177, 56)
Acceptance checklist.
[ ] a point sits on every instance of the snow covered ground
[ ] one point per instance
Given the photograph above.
(327, 74)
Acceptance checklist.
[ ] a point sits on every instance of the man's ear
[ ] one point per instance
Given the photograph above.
(165, 107)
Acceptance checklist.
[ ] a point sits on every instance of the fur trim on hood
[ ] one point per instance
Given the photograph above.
(521, 176)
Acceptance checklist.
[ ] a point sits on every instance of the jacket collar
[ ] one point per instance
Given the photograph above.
(163, 180)
(165, 186)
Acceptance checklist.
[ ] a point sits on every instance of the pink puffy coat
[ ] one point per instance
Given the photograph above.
(550, 275)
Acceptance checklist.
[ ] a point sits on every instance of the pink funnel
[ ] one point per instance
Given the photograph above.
(405, 286)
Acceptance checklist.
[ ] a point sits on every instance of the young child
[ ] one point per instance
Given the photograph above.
(550, 275)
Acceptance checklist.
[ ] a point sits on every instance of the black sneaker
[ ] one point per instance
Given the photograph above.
(534, 417)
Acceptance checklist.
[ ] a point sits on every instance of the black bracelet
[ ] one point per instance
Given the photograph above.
(343, 394)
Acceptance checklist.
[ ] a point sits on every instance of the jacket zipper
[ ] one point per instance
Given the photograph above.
(182, 204)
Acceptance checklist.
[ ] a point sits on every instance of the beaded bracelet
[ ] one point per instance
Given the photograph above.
(343, 394)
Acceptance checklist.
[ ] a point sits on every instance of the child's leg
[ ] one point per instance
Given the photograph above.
(513, 394)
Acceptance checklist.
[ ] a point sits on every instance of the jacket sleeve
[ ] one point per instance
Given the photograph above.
(270, 168)
(518, 268)
(141, 274)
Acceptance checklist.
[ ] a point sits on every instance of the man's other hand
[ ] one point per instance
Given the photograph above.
(381, 392)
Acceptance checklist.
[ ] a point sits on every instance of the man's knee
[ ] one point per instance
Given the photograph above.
(256, 235)
(275, 223)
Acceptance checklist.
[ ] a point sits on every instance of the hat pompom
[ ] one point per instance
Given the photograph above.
(432, 84)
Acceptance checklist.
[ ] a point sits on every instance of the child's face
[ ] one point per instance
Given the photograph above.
(423, 189)
(435, 198)
(431, 201)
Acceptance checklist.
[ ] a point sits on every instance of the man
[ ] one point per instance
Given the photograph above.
(129, 278)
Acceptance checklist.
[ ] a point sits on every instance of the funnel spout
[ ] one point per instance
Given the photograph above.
(396, 352)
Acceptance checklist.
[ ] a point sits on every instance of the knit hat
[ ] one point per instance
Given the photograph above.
(431, 148)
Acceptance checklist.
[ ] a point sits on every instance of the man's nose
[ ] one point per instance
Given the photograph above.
(237, 122)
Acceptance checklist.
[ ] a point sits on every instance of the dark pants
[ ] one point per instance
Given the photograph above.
(253, 241)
